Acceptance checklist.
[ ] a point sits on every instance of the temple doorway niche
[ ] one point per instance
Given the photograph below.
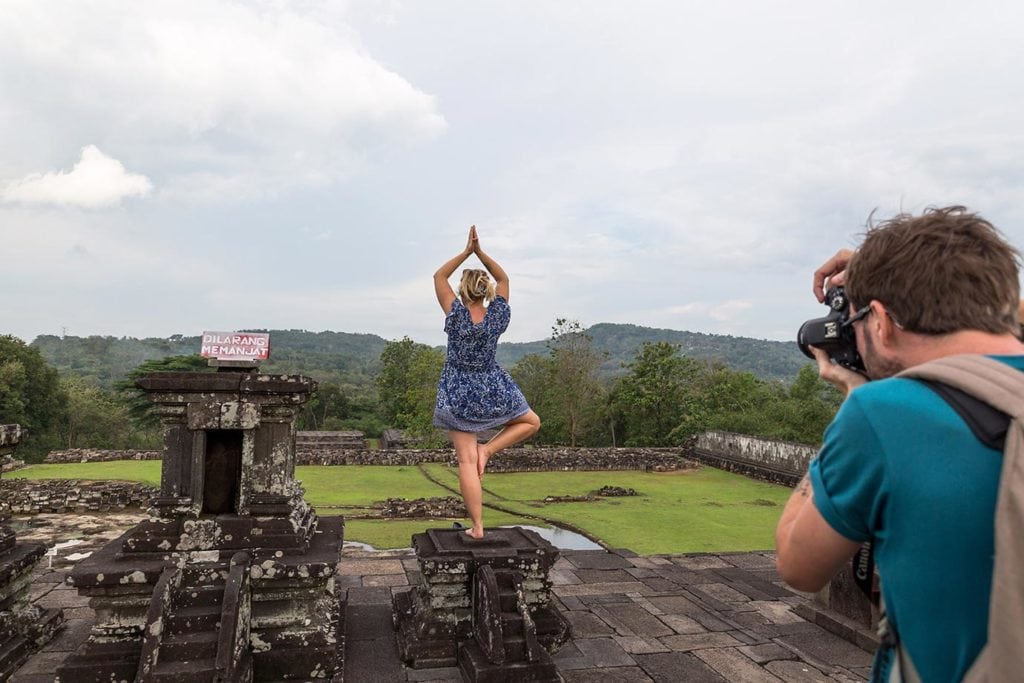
(222, 471)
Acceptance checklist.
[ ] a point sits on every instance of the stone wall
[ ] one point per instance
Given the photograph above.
(304, 440)
(782, 462)
(569, 459)
(513, 460)
(98, 455)
(27, 496)
(368, 456)
(769, 459)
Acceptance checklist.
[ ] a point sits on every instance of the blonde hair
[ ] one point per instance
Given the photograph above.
(475, 285)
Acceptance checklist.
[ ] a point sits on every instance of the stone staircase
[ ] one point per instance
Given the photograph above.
(13, 651)
(197, 627)
(504, 645)
(24, 628)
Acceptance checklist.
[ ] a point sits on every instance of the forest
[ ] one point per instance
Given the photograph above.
(609, 385)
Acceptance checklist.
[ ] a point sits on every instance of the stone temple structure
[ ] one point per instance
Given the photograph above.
(24, 628)
(232, 577)
(482, 605)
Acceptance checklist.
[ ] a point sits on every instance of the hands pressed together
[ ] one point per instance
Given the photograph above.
(472, 242)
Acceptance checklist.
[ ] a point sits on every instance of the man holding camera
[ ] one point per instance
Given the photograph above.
(898, 465)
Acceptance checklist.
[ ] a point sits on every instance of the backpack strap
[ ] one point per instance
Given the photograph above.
(991, 381)
(988, 424)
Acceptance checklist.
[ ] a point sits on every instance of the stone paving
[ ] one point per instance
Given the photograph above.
(724, 617)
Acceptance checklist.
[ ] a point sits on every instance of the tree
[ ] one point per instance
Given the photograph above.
(576, 393)
(421, 397)
(328, 405)
(96, 418)
(729, 400)
(394, 380)
(408, 386)
(811, 405)
(30, 395)
(740, 402)
(140, 409)
(533, 375)
(654, 398)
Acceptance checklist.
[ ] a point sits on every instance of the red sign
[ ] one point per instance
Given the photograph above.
(235, 346)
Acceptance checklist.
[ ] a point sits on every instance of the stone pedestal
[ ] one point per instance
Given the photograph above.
(481, 604)
(232, 575)
(24, 628)
(10, 435)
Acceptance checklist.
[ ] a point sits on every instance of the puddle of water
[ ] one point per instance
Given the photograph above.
(358, 545)
(562, 539)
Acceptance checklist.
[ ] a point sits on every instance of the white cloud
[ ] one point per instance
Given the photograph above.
(618, 173)
(96, 181)
(729, 310)
(248, 98)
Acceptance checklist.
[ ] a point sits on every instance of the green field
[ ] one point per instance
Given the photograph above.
(144, 471)
(702, 510)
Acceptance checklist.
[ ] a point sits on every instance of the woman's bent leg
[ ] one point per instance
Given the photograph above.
(469, 479)
(517, 430)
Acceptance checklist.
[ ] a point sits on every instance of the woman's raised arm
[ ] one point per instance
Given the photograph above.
(445, 294)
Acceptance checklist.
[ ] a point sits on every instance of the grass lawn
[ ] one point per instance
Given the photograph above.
(703, 510)
(144, 471)
(364, 484)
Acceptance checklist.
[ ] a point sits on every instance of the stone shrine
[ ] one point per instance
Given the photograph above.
(483, 605)
(232, 577)
(24, 628)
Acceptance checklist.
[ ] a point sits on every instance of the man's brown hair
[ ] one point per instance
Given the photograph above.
(943, 271)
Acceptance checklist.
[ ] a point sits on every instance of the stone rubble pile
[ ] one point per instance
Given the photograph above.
(9, 464)
(616, 491)
(422, 507)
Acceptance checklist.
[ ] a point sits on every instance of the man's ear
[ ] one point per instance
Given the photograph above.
(886, 328)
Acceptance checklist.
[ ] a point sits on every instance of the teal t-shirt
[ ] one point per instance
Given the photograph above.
(900, 467)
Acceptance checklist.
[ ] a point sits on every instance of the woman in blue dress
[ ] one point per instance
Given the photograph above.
(474, 392)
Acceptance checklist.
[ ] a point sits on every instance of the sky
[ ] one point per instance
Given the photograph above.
(174, 167)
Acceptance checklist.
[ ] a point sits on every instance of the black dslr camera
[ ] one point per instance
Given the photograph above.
(832, 333)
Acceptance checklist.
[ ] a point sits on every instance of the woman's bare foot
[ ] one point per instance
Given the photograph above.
(475, 533)
(482, 456)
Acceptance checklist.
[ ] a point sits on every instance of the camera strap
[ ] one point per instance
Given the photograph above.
(863, 570)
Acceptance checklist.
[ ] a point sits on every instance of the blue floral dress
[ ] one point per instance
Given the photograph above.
(475, 393)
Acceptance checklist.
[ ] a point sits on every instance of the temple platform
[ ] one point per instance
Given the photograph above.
(703, 617)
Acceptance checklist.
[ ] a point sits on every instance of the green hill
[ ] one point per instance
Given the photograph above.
(338, 357)
(766, 359)
(353, 359)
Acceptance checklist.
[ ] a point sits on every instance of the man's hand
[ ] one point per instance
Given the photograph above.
(831, 273)
(842, 378)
